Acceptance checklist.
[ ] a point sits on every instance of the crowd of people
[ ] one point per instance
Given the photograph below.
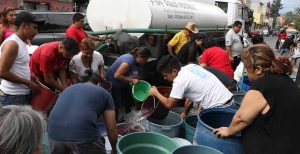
(266, 117)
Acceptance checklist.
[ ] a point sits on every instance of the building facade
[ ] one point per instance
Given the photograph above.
(258, 14)
(39, 5)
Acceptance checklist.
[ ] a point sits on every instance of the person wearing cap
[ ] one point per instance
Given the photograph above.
(216, 57)
(50, 60)
(233, 44)
(126, 70)
(192, 82)
(14, 61)
(190, 50)
(77, 32)
(181, 38)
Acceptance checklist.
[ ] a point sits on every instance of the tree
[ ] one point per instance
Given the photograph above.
(274, 12)
(293, 17)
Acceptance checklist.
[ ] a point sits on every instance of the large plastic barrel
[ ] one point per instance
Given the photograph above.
(196, 149)
(190, 124)
(110, 14)
(170, 126)
(238, 98)
(145, 143)
(214, 118)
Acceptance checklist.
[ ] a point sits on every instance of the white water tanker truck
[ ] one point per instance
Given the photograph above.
(152, 22)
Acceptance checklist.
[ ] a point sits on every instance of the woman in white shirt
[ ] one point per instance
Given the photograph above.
(88, 58)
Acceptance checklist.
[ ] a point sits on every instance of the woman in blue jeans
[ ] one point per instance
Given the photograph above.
(125, 70)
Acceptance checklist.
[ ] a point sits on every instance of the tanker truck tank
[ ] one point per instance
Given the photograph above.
(174, 14)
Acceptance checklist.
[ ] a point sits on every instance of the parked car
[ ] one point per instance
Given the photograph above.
(55, 26)
(292, 32)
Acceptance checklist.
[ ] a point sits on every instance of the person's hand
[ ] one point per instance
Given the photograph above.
(33, 86)
(183, 115)
(231, 58)
(222, 132)
(153, 91)
(135, 81)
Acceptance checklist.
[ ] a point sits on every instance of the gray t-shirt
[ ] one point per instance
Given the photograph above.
(233, 41)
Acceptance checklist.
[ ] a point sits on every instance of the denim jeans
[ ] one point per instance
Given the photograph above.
(6, 99)
(284, 51)
(78, 147)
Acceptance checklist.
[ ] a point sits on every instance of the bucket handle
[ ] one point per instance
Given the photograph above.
(166, 128)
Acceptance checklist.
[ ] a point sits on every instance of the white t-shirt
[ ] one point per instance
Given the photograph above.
(77, 67)
(233, 41)
(200, 86)
(19, 67)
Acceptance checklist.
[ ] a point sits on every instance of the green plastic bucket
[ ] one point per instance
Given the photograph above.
(190, 124)
(145, 143)
(140, 91)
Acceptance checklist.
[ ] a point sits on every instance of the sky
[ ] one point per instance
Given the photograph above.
(288, 5)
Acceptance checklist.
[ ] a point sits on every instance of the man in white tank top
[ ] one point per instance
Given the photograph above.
(14, 61)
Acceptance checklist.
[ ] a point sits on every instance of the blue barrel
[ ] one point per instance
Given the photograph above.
(238, 98)
(190, 124)
(196, 149)
(214, 118)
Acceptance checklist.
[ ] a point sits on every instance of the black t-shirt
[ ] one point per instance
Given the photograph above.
(287, 43)
(188, 53)
(223, 77)
(277, 131)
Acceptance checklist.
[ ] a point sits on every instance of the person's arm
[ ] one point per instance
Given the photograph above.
(228, 44)
(50, 79)
(74, 77)
(167, 102)
(110, 122)
(229, 53)
(8, 55)
(1, 34)
(63, 77)
(96, 38)
(252, 105)
(119, 74)
(170, 50)
(101, 71)
(172, 43)
(187, 107)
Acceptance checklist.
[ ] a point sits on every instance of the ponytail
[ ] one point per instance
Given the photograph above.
(282, 65)
(263, 56)
(141, 51)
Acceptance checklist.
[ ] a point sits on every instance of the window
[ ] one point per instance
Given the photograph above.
(222, 5)
(60, 22)
(46, 27)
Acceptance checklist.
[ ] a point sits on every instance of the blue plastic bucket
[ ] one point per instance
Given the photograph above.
(190, 124)
(238, 98)
(214, 118)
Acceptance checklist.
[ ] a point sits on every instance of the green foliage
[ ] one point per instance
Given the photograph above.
(275, 7)
(293, 17)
